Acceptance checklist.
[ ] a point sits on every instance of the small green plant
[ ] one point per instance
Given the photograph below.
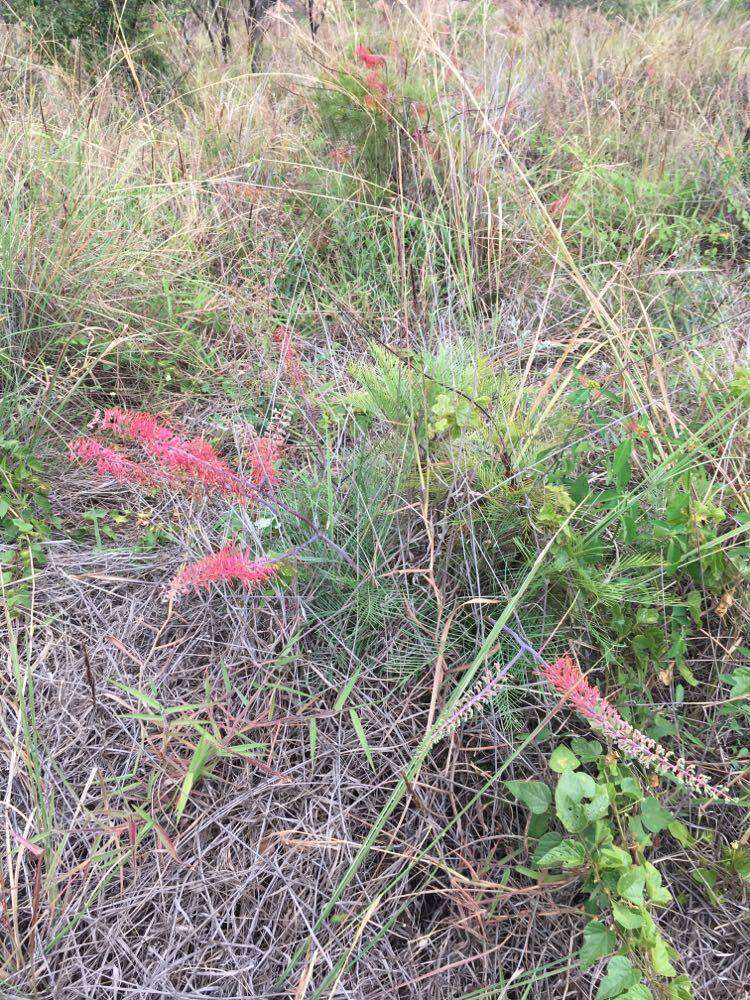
(599, 824)
(26, 520)
(611, 212)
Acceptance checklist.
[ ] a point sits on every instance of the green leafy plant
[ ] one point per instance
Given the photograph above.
(598, 824)
(610, 211)
(26, 520)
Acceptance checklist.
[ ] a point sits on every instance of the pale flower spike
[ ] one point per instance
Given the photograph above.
(479, 694)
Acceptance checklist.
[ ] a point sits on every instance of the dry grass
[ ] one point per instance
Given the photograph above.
(154, 238)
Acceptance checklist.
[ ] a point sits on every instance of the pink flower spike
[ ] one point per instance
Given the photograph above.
(566, 677)
(227, 565)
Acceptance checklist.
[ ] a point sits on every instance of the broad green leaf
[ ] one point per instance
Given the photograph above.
(630, 787)
(598, 942)
(599, 805)
(638, 992)
(614, 857)
(737, 860)
(693, 602)
(563, 759)
(638, 831)
(655, 817)
(657, 892)
(568, 854)
(704, 876)
(535, 795)
(625, 916)
(681, 989)
(621, 976)
(631, 884)
(660, 959)
(680, 833)
(572, 788)
(95, 514)
(546, 842)
(538, 825)
(740, 681)
(586, 750)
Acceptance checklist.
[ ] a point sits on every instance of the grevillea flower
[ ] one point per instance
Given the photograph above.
(566, 677)
(370, 60)
(110, 462)
(375, 84)
(178, 459)
(193, 459)
(229, 564)
(145, 428)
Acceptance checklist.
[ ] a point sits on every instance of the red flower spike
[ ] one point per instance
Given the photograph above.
(263, 453)
(228, 565)
(110, 462)
(175, 460)
(375, 84)
(566, 677)
(194, 459)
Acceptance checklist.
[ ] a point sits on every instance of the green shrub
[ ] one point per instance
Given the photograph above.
(90, 21)
(381, 116)
(612, 212)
